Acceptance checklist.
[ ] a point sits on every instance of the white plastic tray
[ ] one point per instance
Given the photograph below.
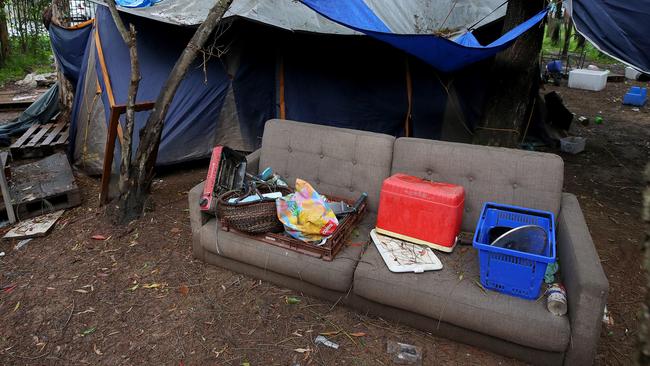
(401, 256)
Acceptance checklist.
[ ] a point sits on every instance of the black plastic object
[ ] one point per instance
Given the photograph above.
(558, 114)
(232, 171)
(341, 208)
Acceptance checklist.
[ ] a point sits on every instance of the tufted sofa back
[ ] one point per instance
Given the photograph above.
(508, 176)
(333, 160)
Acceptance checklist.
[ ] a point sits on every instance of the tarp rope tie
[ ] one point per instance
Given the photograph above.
(471, 27)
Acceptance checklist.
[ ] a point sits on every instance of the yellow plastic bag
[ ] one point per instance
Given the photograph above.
(306, 214)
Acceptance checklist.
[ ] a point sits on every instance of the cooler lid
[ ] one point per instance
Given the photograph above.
(416, 187)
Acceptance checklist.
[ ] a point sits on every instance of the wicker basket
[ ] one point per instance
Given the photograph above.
(254, 217)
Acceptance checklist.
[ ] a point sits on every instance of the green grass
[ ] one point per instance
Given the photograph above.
(591, 52)
(37, 58)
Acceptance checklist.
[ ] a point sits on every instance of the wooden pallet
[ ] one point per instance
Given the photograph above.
(41, 187)
(41, 140)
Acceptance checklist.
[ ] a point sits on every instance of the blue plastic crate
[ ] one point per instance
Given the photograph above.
(509, 271)
(636, 96)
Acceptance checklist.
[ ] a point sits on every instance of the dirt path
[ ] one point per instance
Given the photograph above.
(138, 297)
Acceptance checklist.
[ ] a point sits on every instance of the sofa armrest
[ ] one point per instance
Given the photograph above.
(584, 280)
(253, 162)
(197, 219)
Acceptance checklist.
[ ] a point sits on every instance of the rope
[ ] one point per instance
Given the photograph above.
(448, 14)
(471, 27)
(530, 117)
(450, 99)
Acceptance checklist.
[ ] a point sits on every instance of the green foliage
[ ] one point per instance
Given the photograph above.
(592, 53)
(36, 59)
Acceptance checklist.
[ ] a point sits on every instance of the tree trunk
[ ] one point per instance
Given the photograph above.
(132, 199)
(66, 89)
(513, 80)
(567, 38)
(129, 37)
(4, 34)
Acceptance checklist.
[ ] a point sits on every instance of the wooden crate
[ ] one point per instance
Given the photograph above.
(41, 140)
(41, 187)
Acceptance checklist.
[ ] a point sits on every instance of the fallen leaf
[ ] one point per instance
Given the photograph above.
(88, 331)
(97, 351)
(358, 334)
(292, 300)
(135, 287)
(8, 289)
(152, 285)
(184, 290)
(302, 350)
(81, 291)
(17, 306)
(245, 364)
(98, 237)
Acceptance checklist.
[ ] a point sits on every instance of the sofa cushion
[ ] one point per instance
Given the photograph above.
(337, 161)
(335, 275)
(452, 295)
(489, 174)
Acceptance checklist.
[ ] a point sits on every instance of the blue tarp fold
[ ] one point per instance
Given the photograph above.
(620, 28)
(443, 54)
(69, 47)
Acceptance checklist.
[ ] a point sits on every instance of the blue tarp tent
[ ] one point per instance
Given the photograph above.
(436, 50)
(420, 73)
(282, 60)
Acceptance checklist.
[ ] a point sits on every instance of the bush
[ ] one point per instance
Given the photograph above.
(38, 58)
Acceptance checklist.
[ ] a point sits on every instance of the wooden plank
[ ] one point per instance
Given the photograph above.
(25, 136)
(6, 196)
(64, 137)
(55, 132)
(139, 107)
(39, 135)
(38, 226)
(114, 119)
(104, 69)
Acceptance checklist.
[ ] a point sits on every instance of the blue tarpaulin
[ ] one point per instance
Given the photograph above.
(443, 54)
(620, 28)
(191, 122)
(69, 47)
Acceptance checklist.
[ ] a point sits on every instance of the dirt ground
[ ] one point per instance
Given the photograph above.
(138, 297)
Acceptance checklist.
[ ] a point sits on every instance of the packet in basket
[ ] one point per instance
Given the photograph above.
(305, 214)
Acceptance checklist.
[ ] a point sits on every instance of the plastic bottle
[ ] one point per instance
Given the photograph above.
(556, 301)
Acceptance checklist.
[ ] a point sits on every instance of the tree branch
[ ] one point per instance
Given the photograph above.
(133, 194)
(129, 37)
(150, 135)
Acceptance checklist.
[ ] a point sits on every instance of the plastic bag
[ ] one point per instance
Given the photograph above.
(305, 214)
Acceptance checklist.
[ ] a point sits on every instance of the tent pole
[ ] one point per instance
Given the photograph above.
(283, 108)
(409, 96)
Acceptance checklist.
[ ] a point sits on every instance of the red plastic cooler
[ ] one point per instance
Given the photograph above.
(421, 211)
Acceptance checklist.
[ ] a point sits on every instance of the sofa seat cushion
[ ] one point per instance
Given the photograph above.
(335, 161)
(453, 295)
(488, 174)
(335, 275)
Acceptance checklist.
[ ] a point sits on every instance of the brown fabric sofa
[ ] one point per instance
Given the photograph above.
(447, 302)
